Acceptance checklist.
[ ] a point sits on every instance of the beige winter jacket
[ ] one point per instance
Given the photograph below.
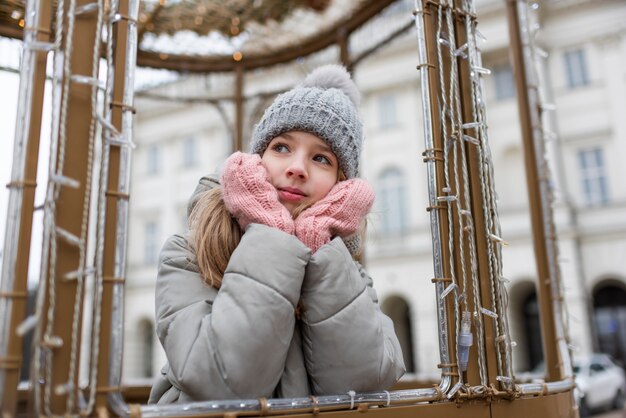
(243, 341)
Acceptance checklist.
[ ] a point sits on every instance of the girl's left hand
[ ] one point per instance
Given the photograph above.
(339, 213)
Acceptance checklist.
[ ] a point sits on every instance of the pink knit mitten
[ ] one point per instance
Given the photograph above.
(250, 197)
(339, 213)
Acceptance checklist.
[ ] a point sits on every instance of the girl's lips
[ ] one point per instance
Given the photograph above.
(291, 194)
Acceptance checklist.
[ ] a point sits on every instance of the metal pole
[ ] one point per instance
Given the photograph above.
(116, 197)
(433, 157)
(14, 291)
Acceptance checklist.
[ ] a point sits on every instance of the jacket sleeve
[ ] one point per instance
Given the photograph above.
(230, 343)
(349, 344)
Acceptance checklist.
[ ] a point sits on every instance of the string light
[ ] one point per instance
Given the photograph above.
(27, 325)
(466, 340)
(65, 181)
(448, 289)
(487, 312)
(460, 52)
(481, 70)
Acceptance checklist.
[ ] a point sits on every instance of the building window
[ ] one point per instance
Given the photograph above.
(154, 159)
(609, 306)
(190, 154)
(532, 328)
(505, 83)
(146, 331)
(576, 68)
(151, 239)
(392, 194)
(387, 114)
(593, 176)
(399, 311)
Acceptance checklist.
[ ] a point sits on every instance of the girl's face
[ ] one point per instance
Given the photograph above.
(302, 167)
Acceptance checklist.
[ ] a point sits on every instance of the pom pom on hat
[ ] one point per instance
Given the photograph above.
(333, 76)
(326, 105)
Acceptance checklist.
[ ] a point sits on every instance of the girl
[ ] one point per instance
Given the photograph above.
(262, 298)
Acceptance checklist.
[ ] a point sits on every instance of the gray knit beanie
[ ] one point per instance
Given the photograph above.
(326, 105)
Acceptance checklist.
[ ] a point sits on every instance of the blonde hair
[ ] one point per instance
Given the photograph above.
(215, 234)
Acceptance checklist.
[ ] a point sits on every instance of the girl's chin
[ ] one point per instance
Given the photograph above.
(296, 209)
(290, 206)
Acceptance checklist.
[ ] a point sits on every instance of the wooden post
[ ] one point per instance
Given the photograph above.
(530, 122)
(239, 80)
(344, 48)
(68, 207)
(476, 199)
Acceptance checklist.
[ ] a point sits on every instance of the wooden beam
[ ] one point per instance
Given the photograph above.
(69, 203)
(239, 116)
(225, 63)
(10, 29)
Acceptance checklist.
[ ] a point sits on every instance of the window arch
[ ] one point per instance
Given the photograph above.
(525, 323)
(532, 327)
(392, 200)
(146, 350)
(396, 308)
(609, 302)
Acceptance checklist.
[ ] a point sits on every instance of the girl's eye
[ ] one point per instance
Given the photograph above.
(280, 148)
(322, 159)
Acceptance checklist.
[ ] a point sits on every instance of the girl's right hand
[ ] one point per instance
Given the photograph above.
(250, 197)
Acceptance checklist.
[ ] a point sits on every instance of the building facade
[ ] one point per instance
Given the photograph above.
(584, 75)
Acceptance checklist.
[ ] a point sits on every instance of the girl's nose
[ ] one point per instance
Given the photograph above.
(297, 168)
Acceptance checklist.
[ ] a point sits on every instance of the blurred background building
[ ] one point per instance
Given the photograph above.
(184, 130)
(585, 75)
